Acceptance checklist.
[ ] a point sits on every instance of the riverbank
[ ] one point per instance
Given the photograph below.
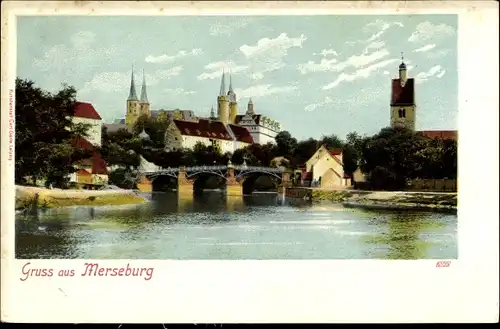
(28, 196)
(400, 200)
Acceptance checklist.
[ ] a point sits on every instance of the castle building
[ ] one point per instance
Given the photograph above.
(262, 129)
(403, 104)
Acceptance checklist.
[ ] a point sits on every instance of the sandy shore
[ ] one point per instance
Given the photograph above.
(26, 196)
(409, 200)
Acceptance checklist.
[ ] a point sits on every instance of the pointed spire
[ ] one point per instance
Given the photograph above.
(144, 95)
(132, 96)
(212, 113)
(223, 85)
(230, 82)
(402, 66)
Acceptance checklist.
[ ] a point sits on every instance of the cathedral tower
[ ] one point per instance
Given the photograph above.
(403, 99)
(132, 103)
(233, 104)
(145, 107)
(223, 102)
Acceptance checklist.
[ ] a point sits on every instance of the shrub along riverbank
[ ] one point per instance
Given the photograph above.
(27, 197)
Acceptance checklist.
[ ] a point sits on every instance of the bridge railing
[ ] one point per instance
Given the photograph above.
(214, 168)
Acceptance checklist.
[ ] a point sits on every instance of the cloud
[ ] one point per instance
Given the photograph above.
(73, 58)
(168, 59)
(425, 48)
(263, 90)
(82, 39)
(374, 45)
(275, 47)
(268, 54)
(381, 26)
(326, 52)
(427, 31)
(314, 106)
(362, 73)
(437, 54)
(180, 91)
(215, 69)
(355, 61)
(386, 73)
(120, 81)
(435, 71)
(220, 28)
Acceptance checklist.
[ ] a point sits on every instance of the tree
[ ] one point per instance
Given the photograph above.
(153, 127)
(304, 151)
(285, 144)
(45, 133)
(332, 142)
(392, 157)
(351, 154)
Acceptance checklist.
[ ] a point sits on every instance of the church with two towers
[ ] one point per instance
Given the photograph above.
(226, 129)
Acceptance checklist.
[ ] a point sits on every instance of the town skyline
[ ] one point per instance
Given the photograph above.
(311, 82)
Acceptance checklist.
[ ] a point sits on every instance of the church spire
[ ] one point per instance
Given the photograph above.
(144, 95)
(132, 96)
(212, 113)
(230, 82)
(223, 85)
(230, 93)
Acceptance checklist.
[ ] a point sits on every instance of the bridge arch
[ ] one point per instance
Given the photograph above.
(262, 180)
(206, 180)
(163, 183)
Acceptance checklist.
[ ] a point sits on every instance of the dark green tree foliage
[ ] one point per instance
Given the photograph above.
(121, 148)
(394, 156)
(44, 134)
(285, 143)
(153, 127)
(304, 151)
(351, 154)
(203, 155)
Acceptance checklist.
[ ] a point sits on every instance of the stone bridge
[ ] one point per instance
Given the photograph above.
(234, 176)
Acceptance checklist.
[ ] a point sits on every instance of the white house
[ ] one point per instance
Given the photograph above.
(92, 171)
(86, 113)
(186, 134)
(327, 168)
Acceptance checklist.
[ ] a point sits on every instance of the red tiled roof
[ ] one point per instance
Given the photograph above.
(403, 95)
(440, 134)
(241, 134)
(82, 143)
(83, 172)
(86, 110)
(96, 161)
(207, 129)
(98, 165)
(335, 151)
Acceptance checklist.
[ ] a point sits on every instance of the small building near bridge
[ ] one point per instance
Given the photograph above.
(326, 169)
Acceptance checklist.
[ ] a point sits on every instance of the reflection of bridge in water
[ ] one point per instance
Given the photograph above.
(236, 179)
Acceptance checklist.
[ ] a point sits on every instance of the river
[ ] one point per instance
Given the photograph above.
(211, 226)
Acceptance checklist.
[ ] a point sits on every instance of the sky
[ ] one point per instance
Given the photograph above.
(316, 75)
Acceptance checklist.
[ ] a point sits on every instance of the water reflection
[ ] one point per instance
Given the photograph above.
(401, 233)
(213, 226)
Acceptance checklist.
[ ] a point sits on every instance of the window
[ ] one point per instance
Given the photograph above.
(402, 113)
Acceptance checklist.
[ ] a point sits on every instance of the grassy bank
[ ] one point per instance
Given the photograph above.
(27, 197)
(388, 200)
